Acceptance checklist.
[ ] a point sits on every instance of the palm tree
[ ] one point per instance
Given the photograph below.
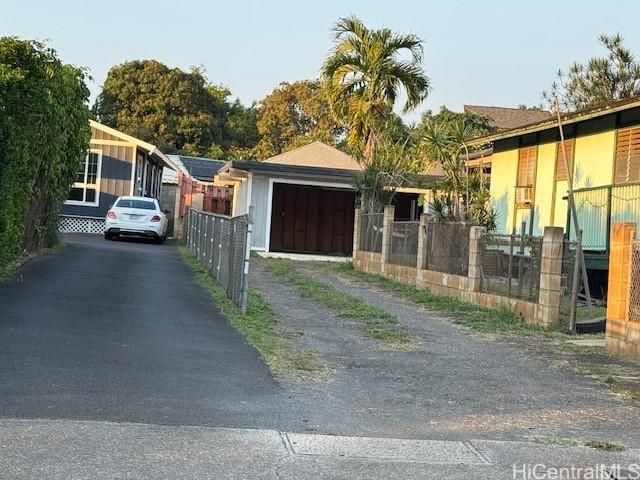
(365, 74)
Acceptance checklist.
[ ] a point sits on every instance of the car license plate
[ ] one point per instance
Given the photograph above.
(134, 217)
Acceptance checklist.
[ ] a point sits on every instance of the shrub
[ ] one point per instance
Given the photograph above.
(44, 135)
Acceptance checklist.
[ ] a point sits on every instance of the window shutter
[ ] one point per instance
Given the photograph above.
(627, 164)
(526, 166)
(561, 171)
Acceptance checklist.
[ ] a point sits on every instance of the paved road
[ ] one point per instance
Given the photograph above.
(120, 331)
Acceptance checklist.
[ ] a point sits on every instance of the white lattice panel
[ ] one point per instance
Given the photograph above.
(73, 224)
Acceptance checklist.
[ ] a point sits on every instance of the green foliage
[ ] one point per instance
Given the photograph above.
(394, 165)
(44, 135)
(260, 326)
(598, 82)
(293, 115)
(450, 120)
(376, 322)
(444, 139)
(476, 317)
(365, 75)
(177, 111)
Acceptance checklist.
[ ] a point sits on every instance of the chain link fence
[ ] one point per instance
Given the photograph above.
(404, 243)
(371, 232)
(510, 265)
(446, 247)
(634, 284)
(222, 245)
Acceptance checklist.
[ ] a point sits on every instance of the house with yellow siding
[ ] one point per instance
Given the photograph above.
(529, 179)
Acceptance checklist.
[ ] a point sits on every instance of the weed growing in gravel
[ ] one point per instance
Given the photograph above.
(376, 323)
(604, 445)
(259, 326)
(481, 319)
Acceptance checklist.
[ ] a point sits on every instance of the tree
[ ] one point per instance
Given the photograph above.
(293, 115)
(598, 82)
(365, 74)
(44, 135)
(445, 138)
(394, 164)
(240, 130)
(170, 108)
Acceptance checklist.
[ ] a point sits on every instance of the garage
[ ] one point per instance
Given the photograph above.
(311, 219)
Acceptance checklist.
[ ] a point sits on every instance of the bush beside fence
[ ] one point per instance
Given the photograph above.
(222, 245)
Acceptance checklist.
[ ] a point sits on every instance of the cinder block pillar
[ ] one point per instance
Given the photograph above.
(475, 258)
(389, 215)
(421, 242)
(357, 221)
(548, 312)
(622, 238)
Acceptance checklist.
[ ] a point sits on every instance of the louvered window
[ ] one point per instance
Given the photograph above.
(561, 171)
(526, 176)
(627, 165)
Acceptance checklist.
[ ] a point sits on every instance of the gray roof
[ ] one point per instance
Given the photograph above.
(198, 167)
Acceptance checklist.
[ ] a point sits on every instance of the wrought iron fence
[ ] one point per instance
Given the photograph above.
(634, 284)
(371, 232)
(404, 243)
(222, 245)
(510, 265)
(446, 247)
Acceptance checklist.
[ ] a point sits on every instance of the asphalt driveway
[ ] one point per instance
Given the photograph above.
(120, 331)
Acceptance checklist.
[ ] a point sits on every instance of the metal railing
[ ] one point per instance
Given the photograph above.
(510, 265)
(404, 243)
(222, 245)
(371, 232)
(600, 207)
(446, 247)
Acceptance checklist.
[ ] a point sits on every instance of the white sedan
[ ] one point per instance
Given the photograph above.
(136, 217)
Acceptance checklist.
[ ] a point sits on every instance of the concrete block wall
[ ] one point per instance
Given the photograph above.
(468, 288)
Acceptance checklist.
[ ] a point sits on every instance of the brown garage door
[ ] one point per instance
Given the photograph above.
(306, 219)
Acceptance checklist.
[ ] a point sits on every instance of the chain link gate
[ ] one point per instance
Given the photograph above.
(634, 284)
(222, 244)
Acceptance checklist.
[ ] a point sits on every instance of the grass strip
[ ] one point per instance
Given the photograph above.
(376, 322)
(259, 325)
(479, 318)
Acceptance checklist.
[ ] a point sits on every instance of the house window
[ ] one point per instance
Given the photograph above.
(85, 189)
(627, 164)
(561, 171)
(526, 176)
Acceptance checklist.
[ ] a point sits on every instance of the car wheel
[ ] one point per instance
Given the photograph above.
(107, 236)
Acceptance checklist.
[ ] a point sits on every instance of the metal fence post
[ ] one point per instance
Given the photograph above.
(247, 259)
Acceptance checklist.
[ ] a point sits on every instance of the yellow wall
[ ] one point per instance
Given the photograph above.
(504, 170)
(593, 164)
(545, 169)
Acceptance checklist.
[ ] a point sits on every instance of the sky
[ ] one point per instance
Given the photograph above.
(501, 53)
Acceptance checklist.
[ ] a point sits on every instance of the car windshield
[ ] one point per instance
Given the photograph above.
(131, 203)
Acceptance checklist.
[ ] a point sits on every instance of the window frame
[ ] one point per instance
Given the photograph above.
(84, 184)
(571, 157)
(627, 181)
(532, 187)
